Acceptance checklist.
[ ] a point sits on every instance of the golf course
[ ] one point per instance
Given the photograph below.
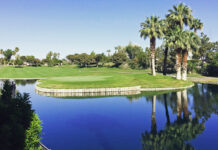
(72, 77)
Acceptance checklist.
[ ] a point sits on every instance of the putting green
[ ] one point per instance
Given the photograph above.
(79, 78)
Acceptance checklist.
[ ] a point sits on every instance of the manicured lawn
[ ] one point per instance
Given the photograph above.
(68, 77)
(43, 72)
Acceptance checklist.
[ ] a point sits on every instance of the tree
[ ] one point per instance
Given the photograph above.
(119, 58)
(120, 49)
(133, 50)
(16, 119)
(179, 16)
(212, 67)
(33, 133)
(73, 58)
(178, 45)
(152, 28)
(84, 60)
(100, 58)
(8, 54)
(52, 58)
(18, 61)
(203, 53)
(191, 41)
(142, 58)
(49, 58)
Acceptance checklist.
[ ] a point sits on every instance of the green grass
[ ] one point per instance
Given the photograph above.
(69, 77)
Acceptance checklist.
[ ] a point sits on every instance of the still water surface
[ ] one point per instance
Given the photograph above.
(177, 120)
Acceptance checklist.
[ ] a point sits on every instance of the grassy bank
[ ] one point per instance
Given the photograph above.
(69, 77)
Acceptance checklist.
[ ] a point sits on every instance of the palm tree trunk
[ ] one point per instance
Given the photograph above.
(179, 104)
(152, 46)
(165, 61)
(178, 65)
(184, 65)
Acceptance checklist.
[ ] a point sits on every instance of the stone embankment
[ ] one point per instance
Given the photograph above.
(99, 91)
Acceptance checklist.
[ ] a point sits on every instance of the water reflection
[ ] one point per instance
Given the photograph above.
(177, 134)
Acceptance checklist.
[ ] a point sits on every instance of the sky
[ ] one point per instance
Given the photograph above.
(78, 26)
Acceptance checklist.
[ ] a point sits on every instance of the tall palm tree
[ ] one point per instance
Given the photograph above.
(196, 24)
(152, 29)
(179, 16)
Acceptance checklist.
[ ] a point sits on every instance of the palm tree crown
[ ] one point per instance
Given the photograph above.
(152, 28)
(180, 15)
(196, 24)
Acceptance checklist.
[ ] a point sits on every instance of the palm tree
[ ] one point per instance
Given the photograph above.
(196, 24)
(179, 16)
(191, 40)
(16, 50)
(178, 40)
(152, 29)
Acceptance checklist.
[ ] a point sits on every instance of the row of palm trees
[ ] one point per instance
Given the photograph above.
(178, 32)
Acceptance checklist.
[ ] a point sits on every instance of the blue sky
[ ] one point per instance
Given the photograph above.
(77, 26)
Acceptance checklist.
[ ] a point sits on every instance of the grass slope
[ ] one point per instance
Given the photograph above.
(69, 77)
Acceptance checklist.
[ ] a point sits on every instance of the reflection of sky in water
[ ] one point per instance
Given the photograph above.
(107, 123)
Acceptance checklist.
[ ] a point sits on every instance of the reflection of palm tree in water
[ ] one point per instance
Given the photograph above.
(166, 109)
(182, 99)
(176, 134)
(185, 105)
(153, 120)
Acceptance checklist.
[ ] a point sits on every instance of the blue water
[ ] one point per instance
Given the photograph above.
(119, 123)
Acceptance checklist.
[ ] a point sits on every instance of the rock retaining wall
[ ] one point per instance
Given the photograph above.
(165, 89)
(99, 91)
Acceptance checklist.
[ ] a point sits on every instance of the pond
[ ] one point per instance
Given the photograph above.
(185, 119)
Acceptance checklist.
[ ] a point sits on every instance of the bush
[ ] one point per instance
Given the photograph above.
(33, 134)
